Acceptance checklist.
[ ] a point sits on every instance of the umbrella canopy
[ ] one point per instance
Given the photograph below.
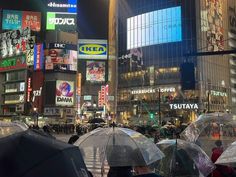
(28, 154)
(119, 147)
(181, 158)
(9, 128)
(228, 157)
(96, 120)
(211, 127)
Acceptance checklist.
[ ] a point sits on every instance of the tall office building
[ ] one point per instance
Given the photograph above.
(157, 78)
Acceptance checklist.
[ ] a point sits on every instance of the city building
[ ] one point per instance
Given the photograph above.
(160, 78)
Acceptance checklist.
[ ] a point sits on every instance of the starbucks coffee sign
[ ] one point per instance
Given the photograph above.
(184, 106)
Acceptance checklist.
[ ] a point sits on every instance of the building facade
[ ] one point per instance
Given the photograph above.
(158, 80)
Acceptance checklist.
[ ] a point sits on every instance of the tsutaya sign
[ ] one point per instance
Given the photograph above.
(184, 106)
(153, 90)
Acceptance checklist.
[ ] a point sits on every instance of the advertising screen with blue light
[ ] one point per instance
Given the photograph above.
(156, 27)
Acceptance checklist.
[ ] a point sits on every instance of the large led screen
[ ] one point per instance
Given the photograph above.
(156, 27)
(61, 60)
(95, 71)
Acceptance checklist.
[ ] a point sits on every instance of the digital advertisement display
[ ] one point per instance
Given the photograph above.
(61, 21)
(61, 60)
(92, 49)
(13, 20)
(69, 6)
(156, 27)
(212, 24)
(95, 71)
(64, 93)
(15, 42)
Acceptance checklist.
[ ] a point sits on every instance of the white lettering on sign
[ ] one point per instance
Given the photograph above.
(143, 91)
(58, 45)
(167, 89)
(184, 106)
(62, 21)
(64, 99)
(53, 4)
(36, 93)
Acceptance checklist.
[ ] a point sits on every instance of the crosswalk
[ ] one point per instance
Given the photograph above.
(94, 163)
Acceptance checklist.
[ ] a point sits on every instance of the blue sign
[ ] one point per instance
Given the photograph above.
(69, 6)
(11, 20)
(156, 27)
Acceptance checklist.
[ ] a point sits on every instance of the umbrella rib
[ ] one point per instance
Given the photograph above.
(49, 157)
(106, 145)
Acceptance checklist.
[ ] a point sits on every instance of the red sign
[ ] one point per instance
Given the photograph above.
(31, 20)
(99, 99)
(29, 89)
(37, 90)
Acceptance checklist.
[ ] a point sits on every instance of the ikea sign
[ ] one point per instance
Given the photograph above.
(92, 49)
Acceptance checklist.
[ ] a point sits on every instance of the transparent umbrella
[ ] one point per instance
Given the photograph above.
(228, 157)
(9, 128)
(183, 158)
(211, 127)
(117, 147)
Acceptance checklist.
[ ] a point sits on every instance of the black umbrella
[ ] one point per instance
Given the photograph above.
(96, 120)
(28, 154)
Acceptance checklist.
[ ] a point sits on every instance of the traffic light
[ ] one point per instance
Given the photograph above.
(151, 115)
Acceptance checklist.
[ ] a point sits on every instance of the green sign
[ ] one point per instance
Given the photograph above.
(13, 63)
(50, 18)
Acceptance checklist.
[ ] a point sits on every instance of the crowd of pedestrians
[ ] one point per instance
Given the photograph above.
(166, 131)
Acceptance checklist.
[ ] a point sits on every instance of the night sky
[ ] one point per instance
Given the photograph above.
(92, 14)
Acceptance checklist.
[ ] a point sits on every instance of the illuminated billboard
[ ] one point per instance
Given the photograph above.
(15, 42)
(64, 93)
(92, 49)
(61, 59)
(95, 71)
(13, 20)
(61, 21)
(18, 62)
(156, 27)
(38, 57)
(212, 25)
(31, 20)
(69, 6)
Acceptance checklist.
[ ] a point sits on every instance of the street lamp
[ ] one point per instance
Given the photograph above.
(95, 109)
(36, 116)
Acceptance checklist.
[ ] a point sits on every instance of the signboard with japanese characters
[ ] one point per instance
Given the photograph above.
(13, 20)
(15, 42)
